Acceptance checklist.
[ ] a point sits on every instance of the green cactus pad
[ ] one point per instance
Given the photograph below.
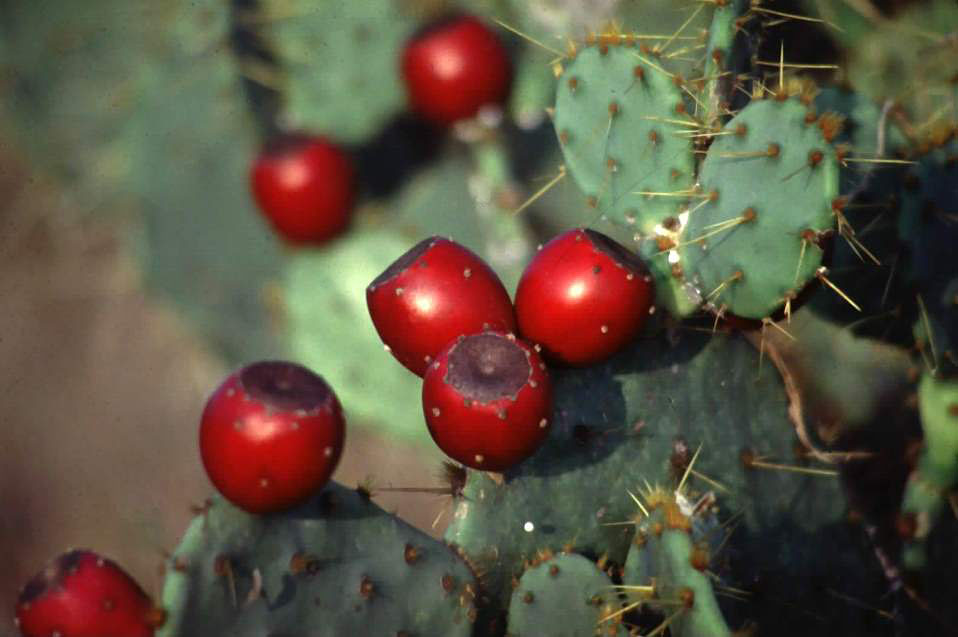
(773, 178)
(72, 76)
(615, 117)
(202, 242)
(564, 596)
(664, 556)
(937, 470)
(672, 291)
(328, 328)
(616, 425)
(719, 58)
(339, 62)
(339, 565)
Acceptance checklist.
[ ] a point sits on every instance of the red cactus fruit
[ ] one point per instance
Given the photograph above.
(433, 294)
(487, 399)
(454, 67)
(305, 187)
(271, 435)
(583, 297)
(81, 594)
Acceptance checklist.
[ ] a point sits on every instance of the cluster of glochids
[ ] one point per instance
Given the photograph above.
(446, 316)
(305, 184)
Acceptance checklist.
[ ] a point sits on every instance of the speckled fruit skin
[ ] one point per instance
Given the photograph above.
(81, 594)
(491, 435)
(271, 435)
(305, 187)
(583, 297)
(454, 67)
(431, 295)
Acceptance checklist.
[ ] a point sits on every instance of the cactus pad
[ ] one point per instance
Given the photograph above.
(615, 117)
(666, 556)
(770, 180)
(332, 331)
(618, 424)
(339, 565)
(563, 596)
(937, 470)
(339, 62)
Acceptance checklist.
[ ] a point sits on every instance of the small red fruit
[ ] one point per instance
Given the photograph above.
(583, 297)
(305, 187)
(433, 294)
(81, 594)
(271, 436)
(454, 67)
(487, 399)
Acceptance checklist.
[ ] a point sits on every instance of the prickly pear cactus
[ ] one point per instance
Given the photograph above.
(565, 595)
(696, 483)
(767, 187)
(648, 410)
(667, 564)
(937, 470)
(338, 565)
(335, 38)
(618, 117)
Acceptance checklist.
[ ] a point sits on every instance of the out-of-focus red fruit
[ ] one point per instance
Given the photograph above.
(305, 187)
(454, 67)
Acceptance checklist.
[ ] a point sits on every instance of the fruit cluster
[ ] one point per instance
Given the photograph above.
(306, 184)
(446, 316)
(272, 433)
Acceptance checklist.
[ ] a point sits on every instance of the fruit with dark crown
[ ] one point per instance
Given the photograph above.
(488, 401)
(81, 594)
(271, 435)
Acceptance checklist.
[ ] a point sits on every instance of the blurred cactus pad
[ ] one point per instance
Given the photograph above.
(774, 455)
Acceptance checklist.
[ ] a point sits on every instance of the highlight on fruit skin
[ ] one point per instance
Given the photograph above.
(271, 436)
(487, 400)
(82, 594)
(453, 67)
(431, 295)
(305, 187)
(583, 297)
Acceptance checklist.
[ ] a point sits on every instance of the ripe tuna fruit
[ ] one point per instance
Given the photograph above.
(487, 399)
(271, 436)
(583, 297)
(81, 594)
(305, 187)
(432, 295)
(454, 67)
